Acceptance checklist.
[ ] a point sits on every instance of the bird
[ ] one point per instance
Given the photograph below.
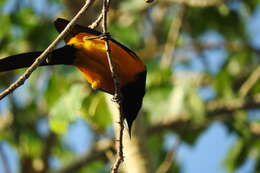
(85, 49)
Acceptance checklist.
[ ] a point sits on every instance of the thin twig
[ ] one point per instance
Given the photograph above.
(108, 50)
(250, 82)
(167, 57)
(120, 157)
(117, 94)
(97, 152)
(170, 157)
(46, 52)
(96, 22)
(199, 3)
(49, 142)
(4, 159)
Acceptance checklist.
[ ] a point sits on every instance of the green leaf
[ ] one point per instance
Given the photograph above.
(157, 77)
(127, 35)
(31, 144)
(155, 142)
(230, 161)
(196, 106)
(96, 111)
(160, 96)
(238, 153)
(218, 19)
(255, 152)
(57, 86)
(96, 166)
(223, 85)
(65, 109)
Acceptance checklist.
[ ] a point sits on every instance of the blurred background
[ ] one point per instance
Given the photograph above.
(201, 110)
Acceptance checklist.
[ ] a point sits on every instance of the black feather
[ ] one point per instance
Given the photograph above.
(64, 55)
(133, 94)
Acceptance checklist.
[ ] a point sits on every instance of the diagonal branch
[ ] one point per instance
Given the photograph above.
(97, 152)
(250, 82)
(170, 158)
(47, 51)
(167, 57)
(96, 22)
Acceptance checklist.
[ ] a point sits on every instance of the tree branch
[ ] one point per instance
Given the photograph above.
(217, 110)
(199, 3)
(46, 52)
(169, 48)
(250, 82)
(117, 94)
(47, 150)
(96, 22)
(217, 107)
(98, 151)
(170, 157)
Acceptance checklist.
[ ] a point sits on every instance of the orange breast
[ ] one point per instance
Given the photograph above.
(91, 59)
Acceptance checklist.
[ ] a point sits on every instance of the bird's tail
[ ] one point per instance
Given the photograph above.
(64, 55)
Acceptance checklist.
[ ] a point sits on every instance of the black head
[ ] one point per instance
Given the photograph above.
(133, 94)
(60, 25)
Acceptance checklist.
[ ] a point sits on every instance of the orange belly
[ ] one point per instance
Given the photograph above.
(91, 59)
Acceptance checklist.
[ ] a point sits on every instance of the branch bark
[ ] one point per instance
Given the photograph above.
(117, 94)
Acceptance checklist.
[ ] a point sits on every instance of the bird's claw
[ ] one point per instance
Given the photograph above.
(105, 36)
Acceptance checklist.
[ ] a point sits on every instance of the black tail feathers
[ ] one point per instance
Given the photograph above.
(64, 55)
